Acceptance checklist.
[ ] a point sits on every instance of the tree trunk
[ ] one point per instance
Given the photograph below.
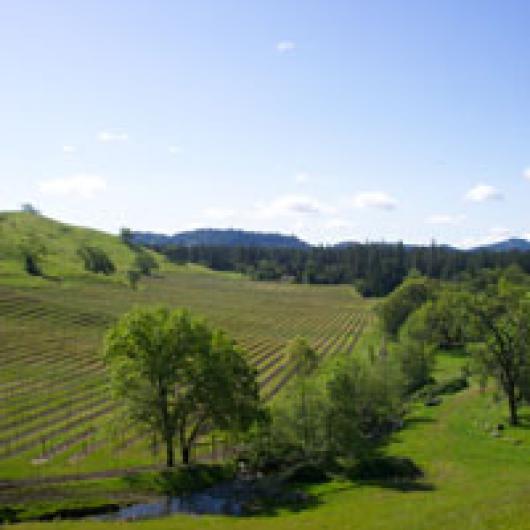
(512, 403)
(170, 452)
(185, 455)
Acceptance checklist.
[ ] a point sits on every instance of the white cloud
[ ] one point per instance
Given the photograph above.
(301, 178)
(175, 149)
(482, 193)
(85, 186)
(285, 46)
(109, 136)
(293, 205)
(526, 173)
(69, 149)
(443, 219)
(374, 199)
(219, 214)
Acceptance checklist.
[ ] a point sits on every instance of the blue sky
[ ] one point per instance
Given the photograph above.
(332, 120)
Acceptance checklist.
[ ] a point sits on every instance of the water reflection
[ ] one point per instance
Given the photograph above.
(198, 503)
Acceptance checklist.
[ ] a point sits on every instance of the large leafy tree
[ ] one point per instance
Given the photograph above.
(502, 337)
(178, 378)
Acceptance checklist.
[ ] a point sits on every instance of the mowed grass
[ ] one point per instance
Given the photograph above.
(56, 416)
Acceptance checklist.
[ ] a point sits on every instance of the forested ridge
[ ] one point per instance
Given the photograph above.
(374, 268)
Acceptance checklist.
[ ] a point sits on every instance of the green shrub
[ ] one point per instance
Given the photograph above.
(31, 264)
(145, 263)
(96, 260)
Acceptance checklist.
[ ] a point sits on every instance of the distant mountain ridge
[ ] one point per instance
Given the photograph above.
(513, 243)
(237, 237)
(222, 238)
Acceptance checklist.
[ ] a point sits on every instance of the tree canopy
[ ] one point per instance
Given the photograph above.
(178, 377)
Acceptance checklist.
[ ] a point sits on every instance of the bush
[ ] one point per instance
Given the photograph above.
(96, 260)
(31, 265)
(145, 263)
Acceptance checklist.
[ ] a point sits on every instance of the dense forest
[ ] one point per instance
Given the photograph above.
(374, 268)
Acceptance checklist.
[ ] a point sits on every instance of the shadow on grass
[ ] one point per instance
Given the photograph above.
(391, 472)
(410, 422)
(404, 486)
(292, 500)
(388, 472)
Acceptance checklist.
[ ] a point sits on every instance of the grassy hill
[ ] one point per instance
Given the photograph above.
(60, 243)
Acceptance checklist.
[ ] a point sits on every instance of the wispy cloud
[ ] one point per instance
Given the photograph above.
(293, 205)
(374, 199)
(444, 219)
(112, 136)
(526, 173)
(69, 149)
(285, 46)
(84, 186)
(483, 193)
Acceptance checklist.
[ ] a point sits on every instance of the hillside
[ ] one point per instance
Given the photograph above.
(219, 237)
(59, 243)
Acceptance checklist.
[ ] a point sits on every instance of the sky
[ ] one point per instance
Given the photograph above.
(332, 120)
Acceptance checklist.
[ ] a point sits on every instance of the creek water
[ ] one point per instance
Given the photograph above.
(199, 504)
(225, 499)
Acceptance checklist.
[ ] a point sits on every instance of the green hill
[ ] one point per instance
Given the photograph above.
(60, 244)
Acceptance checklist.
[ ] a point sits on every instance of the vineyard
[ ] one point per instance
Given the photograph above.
(56, 415)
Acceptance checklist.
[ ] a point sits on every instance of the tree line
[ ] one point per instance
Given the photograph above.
(375, 269)
(486, 317)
